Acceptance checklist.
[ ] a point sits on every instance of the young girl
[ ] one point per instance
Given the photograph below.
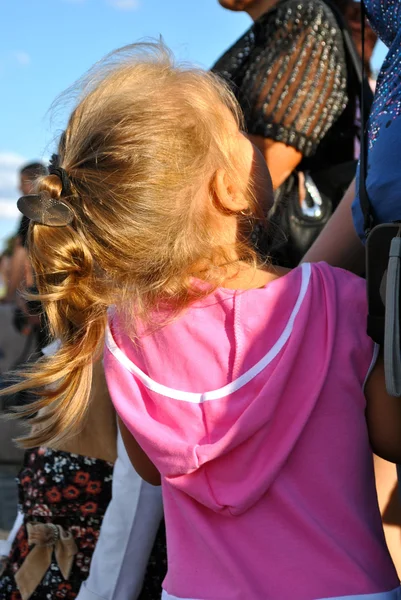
(253, 394)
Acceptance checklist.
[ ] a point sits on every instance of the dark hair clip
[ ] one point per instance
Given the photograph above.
(55, 169)
(42, 208)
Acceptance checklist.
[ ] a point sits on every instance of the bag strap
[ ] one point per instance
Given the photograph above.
(392, 355)
(356, 62)
(366, 105)
(366, 101)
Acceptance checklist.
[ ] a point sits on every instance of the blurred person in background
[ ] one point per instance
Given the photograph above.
(21, 325)
(20, 269)
(5, 263)
(18, 340)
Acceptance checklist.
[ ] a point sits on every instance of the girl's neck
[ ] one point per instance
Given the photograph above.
(247, 277)
(259, 8)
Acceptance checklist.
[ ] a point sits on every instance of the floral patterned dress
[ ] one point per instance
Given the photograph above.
(64, 489)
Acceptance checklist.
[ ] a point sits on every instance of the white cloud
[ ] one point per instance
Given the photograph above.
(10, 159)
(8, 209)
(22, 58)
(124, 4)
(10, 163)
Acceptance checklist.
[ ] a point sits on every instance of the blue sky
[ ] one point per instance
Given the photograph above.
(47, 44)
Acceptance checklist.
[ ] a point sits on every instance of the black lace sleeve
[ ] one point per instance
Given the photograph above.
(293, 84)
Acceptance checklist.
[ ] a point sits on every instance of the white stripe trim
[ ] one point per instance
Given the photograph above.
(166, 596)
(230, 388)
(392, 595)
(376, 350)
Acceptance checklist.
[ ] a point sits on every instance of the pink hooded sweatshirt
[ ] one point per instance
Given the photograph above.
(251, 406)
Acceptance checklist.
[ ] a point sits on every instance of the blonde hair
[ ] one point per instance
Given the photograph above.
(140, 144)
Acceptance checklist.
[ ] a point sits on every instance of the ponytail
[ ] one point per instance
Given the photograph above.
(76, 316)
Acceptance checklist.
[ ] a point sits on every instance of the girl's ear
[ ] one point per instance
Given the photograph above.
(230, 198)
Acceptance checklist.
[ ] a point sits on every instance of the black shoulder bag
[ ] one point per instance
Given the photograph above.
(296, 222)
(383, 272)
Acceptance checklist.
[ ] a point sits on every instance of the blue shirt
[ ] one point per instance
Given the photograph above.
(384, 129)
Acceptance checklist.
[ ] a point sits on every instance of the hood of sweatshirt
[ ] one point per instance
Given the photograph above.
(203, 395)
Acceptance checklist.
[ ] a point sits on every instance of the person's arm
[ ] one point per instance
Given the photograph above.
(17, 272)
(297, 89)
(139, 460)
(339, 244)
(383, 416)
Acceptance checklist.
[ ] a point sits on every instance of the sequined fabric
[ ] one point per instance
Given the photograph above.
(383, 181)
(289, 73)
(385, 18)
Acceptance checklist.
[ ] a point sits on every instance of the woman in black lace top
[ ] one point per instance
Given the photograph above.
(290, 75)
